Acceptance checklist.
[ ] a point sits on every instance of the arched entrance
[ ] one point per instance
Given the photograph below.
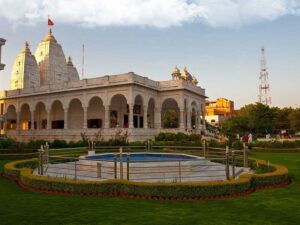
(194, 116)
(95, 113)
(170, 114)
(25, 117)
(119, 112)
(11, 118)
(57, 115)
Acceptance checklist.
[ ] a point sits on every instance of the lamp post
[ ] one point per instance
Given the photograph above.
(2, 42)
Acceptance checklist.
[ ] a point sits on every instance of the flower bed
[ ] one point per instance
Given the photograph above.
(22, 172)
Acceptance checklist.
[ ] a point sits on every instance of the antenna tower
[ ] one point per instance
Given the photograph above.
(82, 71)
(264, 96)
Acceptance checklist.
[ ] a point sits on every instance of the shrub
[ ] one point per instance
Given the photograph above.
(216, 144)
(6, 143)
(277, 144)
(178, 137)
(237, 145)
(59, 144)
(35, 144)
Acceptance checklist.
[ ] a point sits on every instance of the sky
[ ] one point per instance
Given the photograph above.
(218, 40)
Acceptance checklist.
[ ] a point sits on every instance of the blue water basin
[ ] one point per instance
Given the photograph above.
(143, 157)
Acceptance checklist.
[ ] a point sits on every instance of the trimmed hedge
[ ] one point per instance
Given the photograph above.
(22, 170)
(178, 137)
(17, 154)
(277, 144)
(276, 174)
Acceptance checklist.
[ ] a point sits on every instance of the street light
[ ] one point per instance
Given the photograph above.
(2, 42)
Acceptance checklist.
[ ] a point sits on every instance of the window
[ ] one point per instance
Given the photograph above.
(94, 123)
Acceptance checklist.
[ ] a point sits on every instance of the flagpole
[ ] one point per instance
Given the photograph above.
(82, 72)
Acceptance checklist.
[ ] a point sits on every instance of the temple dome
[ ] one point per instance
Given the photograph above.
(25, 72)
(185, 75)
(52, 62)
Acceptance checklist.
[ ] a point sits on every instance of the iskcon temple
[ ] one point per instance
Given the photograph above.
(48, 100)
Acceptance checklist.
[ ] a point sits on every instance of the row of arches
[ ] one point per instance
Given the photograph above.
(119, 114)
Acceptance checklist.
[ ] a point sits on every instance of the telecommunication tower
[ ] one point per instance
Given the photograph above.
(264, 96)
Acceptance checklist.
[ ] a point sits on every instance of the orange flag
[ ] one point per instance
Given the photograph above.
(50, 22)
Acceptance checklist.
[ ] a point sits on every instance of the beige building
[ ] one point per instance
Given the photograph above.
(47, 100)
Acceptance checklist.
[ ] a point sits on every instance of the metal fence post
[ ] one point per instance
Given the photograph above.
(115, 166)
(179, 167)
(99, 170)
(204, 148)
(227, 163)
(40, 162)
(245, 155)
(41, 151)
(233, 164)
(75, 164)
(121, 163)
(46, 153)
(127, 159)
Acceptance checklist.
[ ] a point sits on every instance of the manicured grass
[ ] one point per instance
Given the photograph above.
(278, 206)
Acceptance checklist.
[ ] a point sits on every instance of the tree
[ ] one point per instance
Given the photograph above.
(170, 119)
(294, 119)
(282, 121)
(256, 118)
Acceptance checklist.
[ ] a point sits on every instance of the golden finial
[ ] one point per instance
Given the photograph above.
(69, 62)
(194, 81)
(184, 74)
(26, 48)
(176, 73)
(50, 36)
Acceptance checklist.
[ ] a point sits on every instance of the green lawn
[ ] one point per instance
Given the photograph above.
(278, 206)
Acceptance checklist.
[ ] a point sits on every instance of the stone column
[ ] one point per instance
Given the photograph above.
(145, 116)
(32, 120)
(196, 120)
(188, 119)
(48, 119)
(66, 118)
(203, 121)
(157, 118)
(18, 121)
(85, 117)
(130, 117)
(106, 116)
(181, 121)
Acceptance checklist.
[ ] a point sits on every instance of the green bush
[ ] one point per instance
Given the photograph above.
(178, 137)
(277, 144)
(6, 143)
(216, 144)
(59, 144)
(237, 145)
(35, 144)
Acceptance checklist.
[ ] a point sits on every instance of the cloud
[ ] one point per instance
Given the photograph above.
(154, 13)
